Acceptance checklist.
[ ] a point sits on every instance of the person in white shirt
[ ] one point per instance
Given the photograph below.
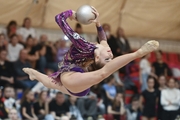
(170, 100)
(145, 71)
(14, 48)
(26, 30)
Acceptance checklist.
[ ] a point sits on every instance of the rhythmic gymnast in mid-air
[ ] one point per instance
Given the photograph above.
(74, 77)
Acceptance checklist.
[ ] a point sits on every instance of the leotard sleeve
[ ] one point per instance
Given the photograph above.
(78, 41)
(101, 34)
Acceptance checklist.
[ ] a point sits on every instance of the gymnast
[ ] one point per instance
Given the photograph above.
(74, 76)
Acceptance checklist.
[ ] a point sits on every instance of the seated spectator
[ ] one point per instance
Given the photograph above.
(14, 48)
(27, 110)
(3, 112)
(6, 70)
(170, 99)
(97, 89)
(149, 100)
(87, 105)
(61, 50)
(13, 115)
(159, 66)
(26, 30)
(59, 106)
(10, 29)
(116, 108)
(133, 111)
(74, 111)
(41, 107)
(79, 30)
(9, 98)
(110, 88)
(22, 78)
(3, 42)
(47, 54)
(33, 53)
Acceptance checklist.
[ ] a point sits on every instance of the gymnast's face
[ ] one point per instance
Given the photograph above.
(104, 55)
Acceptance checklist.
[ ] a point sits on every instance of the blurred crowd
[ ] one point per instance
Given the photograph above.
(142, 90)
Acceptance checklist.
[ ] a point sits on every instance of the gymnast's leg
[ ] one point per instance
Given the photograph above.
(88, 79)
(44, 79)
(78, 82)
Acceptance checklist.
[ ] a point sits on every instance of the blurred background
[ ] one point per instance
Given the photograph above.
(145, 89)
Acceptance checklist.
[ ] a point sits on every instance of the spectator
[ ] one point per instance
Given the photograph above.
(110, 38)
(47, 53)
(14, 48)
(22, 78)
(149, 97)
(3, 42)
(88, 105)
(97, 89)
(74, 111)
(27, 110)
(41, 107)
(6, 70)
(3, 112)
(170, 101)
(116, 108)
(159, 66)
(59, 106)
(62, 49)
(162, 86)
(145, 71)
(110, 88)
(10, 29)
(133, 111)
(33, 54)
(162, 82)
(122, 42)
(26, 30)
(9, 95)
(79, 30)
(13, 114)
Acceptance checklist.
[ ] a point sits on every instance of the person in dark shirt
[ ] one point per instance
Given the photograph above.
(27, 110)
(59, 106)
(33, 53)
(6, 70)
(3, 42)
(116, 108)
(41, 107)
(22, 79)
(47, 53)
(3, 112)
(149, 97)
(122, 42)
(160, 67)
(133, 111)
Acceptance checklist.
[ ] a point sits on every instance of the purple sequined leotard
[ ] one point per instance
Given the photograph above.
(79, 52)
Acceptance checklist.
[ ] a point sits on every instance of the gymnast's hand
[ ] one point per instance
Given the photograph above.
(73, 17)
(96, 20)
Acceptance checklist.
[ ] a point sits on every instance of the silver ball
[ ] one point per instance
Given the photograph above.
(84, 14)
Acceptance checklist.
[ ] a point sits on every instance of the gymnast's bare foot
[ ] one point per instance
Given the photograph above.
(30, 72)
(148, 47)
